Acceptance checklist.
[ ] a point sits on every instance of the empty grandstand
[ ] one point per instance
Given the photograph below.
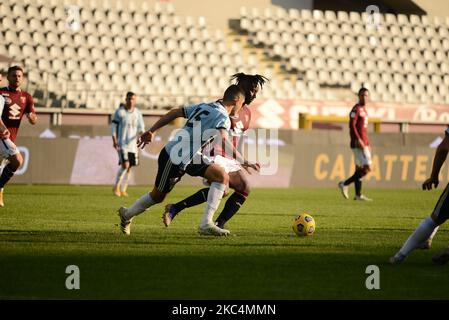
(85, 54)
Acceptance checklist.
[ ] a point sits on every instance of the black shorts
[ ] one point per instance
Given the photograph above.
(168, 174)
(441, 209)
(131, 157)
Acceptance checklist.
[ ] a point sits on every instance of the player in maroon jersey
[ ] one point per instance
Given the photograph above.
(14, 103)
(237, 178)
(358, 129)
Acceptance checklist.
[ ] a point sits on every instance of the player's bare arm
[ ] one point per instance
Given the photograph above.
(115, 142)
(4, 132)
(438, 160)
(148, 135)
(32, 118)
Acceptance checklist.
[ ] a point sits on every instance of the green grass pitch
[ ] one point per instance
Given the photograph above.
(44, 229)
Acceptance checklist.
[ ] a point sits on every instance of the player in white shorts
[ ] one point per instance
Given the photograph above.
(358, 131)
(127, 124)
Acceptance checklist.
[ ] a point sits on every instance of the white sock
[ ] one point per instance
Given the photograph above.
(142, 204)
(421, 233)
(433, 233)
(213, 201)
(125, 182)
(120, 174)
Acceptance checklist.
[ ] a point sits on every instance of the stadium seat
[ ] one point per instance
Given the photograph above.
(337, 44)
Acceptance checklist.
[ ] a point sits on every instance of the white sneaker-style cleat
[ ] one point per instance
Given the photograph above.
(344, 189)
(362, 198)
(212, 230)
(398, 258)
(125, 223)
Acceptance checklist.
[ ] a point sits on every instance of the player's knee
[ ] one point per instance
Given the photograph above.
(224, 177)
(219, 175)
(16, 162)
(360, 171)
(244, 187)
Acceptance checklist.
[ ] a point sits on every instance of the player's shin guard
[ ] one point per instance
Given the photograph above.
(6, 176)
(214, 196)
(193, 200)
(231, 207)
(142, 204)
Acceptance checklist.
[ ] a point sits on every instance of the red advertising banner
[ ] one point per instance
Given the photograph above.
(284, 114)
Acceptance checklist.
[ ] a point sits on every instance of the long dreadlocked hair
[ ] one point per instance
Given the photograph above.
(249, 79)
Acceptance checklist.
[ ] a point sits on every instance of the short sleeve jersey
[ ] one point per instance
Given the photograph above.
(358, 126)
(16, 104)
(203, 122)
(127, 125)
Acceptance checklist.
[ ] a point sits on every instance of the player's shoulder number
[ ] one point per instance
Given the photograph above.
(197, 115)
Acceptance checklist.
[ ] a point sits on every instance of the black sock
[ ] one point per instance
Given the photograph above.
(358, 184)
(193, 200)
(231, 207)
(358, 187)
(356, 176)
(6, 176)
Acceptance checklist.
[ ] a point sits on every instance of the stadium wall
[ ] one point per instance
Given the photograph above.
(301, 158)
(281, 114)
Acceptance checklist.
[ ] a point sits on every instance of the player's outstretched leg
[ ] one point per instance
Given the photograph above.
(421, 233)
(143, 203)
(172, 210)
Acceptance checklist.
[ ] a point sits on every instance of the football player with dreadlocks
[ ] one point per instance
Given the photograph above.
(251, 84)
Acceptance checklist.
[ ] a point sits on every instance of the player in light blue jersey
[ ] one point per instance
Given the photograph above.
(127, 125)
(204, 122)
